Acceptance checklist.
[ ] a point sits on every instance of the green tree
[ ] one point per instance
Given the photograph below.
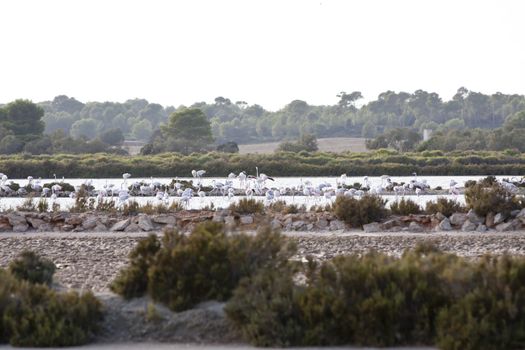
(84, 127)
(142, 130)
(11, 144)
(515, 121)
(112, 137)
(23, 118)
(187, 131)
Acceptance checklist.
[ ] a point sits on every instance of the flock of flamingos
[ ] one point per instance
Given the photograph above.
(240, 184)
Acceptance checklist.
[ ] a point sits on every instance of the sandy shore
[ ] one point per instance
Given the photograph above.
(91, 260)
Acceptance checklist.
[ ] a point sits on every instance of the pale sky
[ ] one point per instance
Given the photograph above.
(265, 52)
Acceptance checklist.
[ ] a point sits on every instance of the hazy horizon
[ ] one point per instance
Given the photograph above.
(269, 53)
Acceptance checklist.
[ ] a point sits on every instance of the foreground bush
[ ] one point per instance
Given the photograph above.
(424, 297)
(34, 315)
(207, 264)
(41, 317)
(358, 212)
(132, 282)
(405, 207)
(444, 206)
(31, 267)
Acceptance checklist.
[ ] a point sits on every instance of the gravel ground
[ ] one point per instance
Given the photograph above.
(92, 260)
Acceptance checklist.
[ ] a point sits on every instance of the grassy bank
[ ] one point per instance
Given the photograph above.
(280, 164)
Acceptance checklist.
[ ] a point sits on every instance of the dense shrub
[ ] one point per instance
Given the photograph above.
(357, 212)
(34, 315)
(206, 264)
(133, 281)
(424, 297)
(494, 198)
(491, 315)
(405, 207)
(248, 206)
(444, 206)
(266, 308)
(38, 316)
(31, 267)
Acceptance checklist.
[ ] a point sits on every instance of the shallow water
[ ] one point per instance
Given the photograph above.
(279, 182)
(224, 202)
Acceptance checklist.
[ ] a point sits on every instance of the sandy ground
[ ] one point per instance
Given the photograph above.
(90, 261)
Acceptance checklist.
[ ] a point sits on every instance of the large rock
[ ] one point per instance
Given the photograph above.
(90, 223)
(482, 228)
(389, 224)
(276, 224)
(499, 218)
(322, 223)
(458, 219)
(74, 220)
(229, 220)
(18, 222)
(246, 219)
(372, 227)
(508, 226)
(145, 223)
(132, 227)
(121, 225)
(165, 219)
(521, 216)
(36, 223)
(489, 219)
(415, 227)
(444, 225)
(469, 226)
(298, 225)
(336, 225)
(217, 218)
(475, 218)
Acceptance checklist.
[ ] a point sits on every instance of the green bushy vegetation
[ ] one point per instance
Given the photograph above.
(405, 207)
(33, 315)
(358, 212)
(485, 197)
(424, 297)
(248, 206)
(132, 282)
(444, 206)
(29, 266)
(297, 164)
(207, 264)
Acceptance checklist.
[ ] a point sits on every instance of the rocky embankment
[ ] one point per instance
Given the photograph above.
(309, 221)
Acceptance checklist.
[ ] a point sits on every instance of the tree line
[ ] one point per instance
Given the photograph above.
(68, 125)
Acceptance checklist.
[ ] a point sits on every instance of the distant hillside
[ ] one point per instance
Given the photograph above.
(331, 144)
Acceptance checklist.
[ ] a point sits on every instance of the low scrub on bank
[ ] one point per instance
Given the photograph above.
(484, 197)
(33, 315)
(248, 206)
(184, 270)
(405, 207)
(358, 212)
(444, 206)
(424, 297)
(297, 164)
